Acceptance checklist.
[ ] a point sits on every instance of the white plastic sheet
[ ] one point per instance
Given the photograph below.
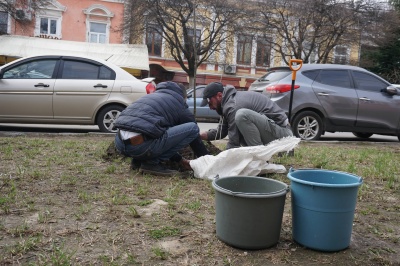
(247, 161)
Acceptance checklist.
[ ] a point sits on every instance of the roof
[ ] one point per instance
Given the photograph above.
(134, 56)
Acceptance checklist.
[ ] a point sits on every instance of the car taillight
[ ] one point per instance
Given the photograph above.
(150, 88)
(280, 88)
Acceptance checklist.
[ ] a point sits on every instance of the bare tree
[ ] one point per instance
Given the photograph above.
(395, 4)
(311, 29)
(216, 23)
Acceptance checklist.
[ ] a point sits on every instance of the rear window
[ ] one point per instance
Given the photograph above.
(85, 70)
(338, 78)
(275, 75)
(311, 74)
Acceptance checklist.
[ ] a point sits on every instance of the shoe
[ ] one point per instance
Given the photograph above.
(157, 169)
(185, 164)
(135, 164)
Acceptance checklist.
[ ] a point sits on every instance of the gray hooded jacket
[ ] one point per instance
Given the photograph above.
(233, 100)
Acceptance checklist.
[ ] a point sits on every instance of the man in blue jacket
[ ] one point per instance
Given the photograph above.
(156, 127)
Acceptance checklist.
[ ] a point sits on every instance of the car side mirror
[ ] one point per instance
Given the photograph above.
(1, 73)
(391, 90)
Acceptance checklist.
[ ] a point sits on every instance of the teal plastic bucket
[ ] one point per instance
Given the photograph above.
(249, 210)
(323, 205)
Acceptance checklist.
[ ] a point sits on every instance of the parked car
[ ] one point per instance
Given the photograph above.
(201, 112)
(55, 89)
(334, 98)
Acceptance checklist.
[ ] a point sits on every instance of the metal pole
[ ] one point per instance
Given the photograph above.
(195, 56)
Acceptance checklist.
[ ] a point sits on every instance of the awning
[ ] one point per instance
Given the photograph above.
(131, 56)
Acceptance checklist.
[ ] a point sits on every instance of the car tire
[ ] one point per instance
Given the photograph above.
(362, 135)
(107, 117)
(307, 125)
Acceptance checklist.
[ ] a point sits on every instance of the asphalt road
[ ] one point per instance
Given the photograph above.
(39, 128)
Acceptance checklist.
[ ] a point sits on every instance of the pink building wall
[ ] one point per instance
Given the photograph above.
(74, 21)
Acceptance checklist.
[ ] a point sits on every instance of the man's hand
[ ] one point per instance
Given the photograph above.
(204, 136)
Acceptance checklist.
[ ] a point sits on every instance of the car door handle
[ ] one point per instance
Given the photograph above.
(323, 94)
(365, 99)
(42, 85)
(100, 86)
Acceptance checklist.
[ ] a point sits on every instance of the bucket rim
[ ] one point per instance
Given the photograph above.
(355, 184)
(274, 194)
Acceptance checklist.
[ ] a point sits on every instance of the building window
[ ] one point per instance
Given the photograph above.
(3, 22)
(98, 32)
(49, 20)
(341, 55)
(48, 26)
(191, 35)
(98, 23)
(312, 54)
(263, 56)
(154, 40)
(244, 46)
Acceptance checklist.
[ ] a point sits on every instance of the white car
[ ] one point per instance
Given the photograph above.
(56, 89)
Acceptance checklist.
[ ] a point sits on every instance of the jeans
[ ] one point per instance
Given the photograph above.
(258, 129)
(166, 147)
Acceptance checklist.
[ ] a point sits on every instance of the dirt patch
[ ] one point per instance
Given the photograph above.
(66, 201)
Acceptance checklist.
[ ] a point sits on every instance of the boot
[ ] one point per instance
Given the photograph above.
(157, 169)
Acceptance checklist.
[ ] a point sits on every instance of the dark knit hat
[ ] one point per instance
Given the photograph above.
(211, 90)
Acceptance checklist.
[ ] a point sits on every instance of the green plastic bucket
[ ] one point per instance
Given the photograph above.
(249, 210)
(323, 205)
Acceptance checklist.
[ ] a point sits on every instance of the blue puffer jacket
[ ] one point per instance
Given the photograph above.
(154, 113)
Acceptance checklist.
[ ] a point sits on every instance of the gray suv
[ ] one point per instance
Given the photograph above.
(334, 98)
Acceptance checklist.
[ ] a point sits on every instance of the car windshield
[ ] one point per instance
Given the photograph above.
(274, 75)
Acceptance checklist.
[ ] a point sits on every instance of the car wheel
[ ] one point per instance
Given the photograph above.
(362, 135)
(307, 125)
(107, 117)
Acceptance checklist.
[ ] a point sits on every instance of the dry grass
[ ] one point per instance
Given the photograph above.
(61, 203)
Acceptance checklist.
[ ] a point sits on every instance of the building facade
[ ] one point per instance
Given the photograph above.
(101, 21)
(95, 21)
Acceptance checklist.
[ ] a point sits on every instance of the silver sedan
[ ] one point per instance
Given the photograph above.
(56, 89)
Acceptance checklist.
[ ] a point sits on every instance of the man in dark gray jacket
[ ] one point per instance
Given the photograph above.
(248, 118)
(156, 127)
